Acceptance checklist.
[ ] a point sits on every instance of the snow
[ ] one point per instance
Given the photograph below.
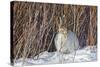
(82, 55)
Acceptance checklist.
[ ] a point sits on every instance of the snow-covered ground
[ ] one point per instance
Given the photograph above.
(82, 55)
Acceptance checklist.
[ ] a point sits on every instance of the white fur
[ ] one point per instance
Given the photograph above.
(66, 44)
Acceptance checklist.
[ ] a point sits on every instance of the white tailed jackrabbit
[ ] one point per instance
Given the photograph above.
(66, 41)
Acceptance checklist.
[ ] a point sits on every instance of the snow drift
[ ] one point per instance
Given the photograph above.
(86, 54)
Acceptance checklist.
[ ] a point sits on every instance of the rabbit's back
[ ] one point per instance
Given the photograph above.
(71, 43)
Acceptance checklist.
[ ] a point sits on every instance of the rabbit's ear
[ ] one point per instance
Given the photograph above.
(60, 24)
(60, 21)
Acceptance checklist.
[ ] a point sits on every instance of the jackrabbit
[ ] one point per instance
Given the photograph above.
(66, 41)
